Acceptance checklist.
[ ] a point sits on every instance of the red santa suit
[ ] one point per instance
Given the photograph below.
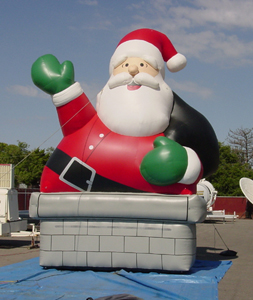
(91, 157)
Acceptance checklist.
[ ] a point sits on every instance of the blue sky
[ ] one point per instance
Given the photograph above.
(216, 36)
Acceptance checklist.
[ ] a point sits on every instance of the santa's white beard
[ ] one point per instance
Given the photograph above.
(141, 112)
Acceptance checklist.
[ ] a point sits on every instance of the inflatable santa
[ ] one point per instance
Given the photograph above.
(141, 138)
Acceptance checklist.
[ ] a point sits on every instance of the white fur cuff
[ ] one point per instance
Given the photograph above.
(67, 95)
(193, 169)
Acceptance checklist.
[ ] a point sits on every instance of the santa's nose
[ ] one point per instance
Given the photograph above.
(133, 70)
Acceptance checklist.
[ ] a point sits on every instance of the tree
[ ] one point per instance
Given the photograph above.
(241, 140)
(28, 165)
(230, 171)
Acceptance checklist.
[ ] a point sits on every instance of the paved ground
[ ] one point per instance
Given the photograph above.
(237, 282)
(17, 249)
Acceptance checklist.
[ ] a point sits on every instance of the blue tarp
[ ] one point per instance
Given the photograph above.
(27, 280)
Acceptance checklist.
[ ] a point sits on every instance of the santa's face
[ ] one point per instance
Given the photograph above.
(135, 65)
(135, 101)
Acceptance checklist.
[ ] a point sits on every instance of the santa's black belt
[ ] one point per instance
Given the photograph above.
(81, 176)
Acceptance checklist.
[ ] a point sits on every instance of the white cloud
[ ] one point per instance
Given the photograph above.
(190, 87)
(208, 46)
(218, 15)
(27, 91)
(23, 90)
(225, 13)
(89, 2)
(213, 31)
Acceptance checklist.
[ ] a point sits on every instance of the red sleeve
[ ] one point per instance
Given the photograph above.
(75, 114)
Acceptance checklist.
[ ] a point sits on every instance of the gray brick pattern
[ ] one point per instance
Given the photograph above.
(117, 244)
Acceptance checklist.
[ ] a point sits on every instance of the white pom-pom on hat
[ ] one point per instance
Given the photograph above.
(176, 63)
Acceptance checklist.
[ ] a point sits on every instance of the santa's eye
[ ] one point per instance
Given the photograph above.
(127, 64)
(142, 64)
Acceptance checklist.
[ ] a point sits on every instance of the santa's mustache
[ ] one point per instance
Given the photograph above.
(125, 78)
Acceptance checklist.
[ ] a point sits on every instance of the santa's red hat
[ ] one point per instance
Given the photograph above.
(150, 45)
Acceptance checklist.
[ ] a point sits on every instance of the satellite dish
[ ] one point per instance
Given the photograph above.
(246, 186)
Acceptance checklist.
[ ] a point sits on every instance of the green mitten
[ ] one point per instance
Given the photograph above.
(165, 164)
(51, 76)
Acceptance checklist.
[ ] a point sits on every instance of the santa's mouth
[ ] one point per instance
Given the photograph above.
(133, 86)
